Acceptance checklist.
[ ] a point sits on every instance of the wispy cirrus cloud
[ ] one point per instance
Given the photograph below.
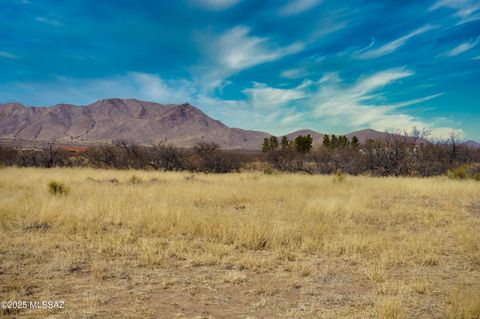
(294, 7)
(51, 22)
(239, 50)
(235, 50)
(293, 73)
(347, 107)
(266, 97)
(465, 10)
(369, 53)
(292, 118)
(379, 80)
(417, 101)
(356, 106)
(215, 4)
(461, 48)
(83, 91)
(8, 55)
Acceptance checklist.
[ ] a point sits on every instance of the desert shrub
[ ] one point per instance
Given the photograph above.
(8, 156)
(458, 173)
(465, 171)
(57, 188)
(205, 148)
(207, 157)
(131, 155)
(135, 180)
(339, 177)
(105, 156)
(168, 158)
(268, 170)
(287, 160)
(323, 157)
(463, 306)
(390, 309)
(473, 171)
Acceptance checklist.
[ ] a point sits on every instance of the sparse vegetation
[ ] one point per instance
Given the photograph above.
(465, 172)
(397, 154)
(270, 144)
(57, 188)
(282, 245)
(339, 177)
(135, 180)
(303, 144)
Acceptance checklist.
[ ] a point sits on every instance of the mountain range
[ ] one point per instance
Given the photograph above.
(134, 120)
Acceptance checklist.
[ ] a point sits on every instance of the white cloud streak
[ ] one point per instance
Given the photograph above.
(392, 46)
(293, 73)
(295, 7)
(265, 97)
(461, 48)
(292, 118)
(417, 101)
(465, 10)
(354, 106)
(51, 22)
(215, 5)
(236, 50)
(68, 90)
(8, 55)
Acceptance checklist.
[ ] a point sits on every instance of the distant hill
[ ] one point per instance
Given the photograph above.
(317, 137)
(111, 119)
(137, 121)
(364, 135)
(471, 143)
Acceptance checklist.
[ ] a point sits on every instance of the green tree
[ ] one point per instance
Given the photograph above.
(270, 144)
(273, 142)
(266, 145)
(355, 142)
(303, 143)
(333, 141)
(285, 142)
(326, 140)
(343, 141)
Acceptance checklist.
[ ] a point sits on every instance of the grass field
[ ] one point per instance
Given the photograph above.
(165, 245)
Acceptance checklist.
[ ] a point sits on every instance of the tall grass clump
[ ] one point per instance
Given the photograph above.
(464, 306)
(339, 177)
(390, 309)
(57, 188)
(465, 172)
(135, 180)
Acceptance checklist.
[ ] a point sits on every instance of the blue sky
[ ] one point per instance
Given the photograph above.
(278, 66)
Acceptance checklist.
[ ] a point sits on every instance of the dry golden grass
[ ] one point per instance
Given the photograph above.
(147, 244)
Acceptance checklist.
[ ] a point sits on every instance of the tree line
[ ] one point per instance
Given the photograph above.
(395, 154)
(304, 143)
(122, 154)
